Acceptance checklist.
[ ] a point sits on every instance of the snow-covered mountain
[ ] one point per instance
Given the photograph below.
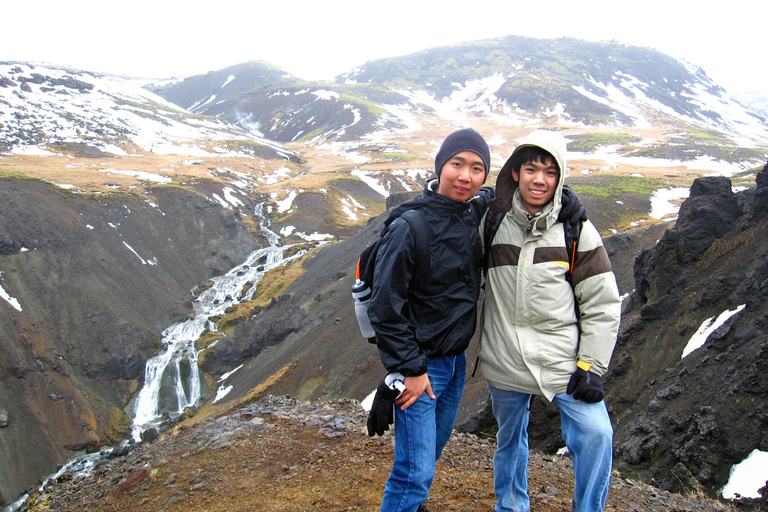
(512, 81)
(54, 107)
(757, 101)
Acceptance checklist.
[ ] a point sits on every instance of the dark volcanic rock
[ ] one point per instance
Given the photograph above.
(682, 423)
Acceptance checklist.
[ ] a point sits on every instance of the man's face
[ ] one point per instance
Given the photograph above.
(537, 181)
(462, 176)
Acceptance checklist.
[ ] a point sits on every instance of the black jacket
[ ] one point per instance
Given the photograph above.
(436, 317)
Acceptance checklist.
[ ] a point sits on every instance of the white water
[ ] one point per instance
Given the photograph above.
(167, 390)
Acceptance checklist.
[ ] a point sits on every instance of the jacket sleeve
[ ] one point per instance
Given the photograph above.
(597, 296)
(389, 308)
(481, 200)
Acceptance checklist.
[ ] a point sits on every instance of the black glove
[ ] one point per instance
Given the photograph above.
(382, 413)
(572, 208)
(586, 386)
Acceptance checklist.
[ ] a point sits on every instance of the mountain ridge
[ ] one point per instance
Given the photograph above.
(573, 80)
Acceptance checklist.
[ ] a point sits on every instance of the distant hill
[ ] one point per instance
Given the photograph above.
(756, 101)
(518, 78)
(97, 115)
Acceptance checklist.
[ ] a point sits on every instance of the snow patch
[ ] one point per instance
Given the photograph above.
(153, 261)
(747, 477)
(285, 205)
(661, 201)
(7, 298)
(708, 327)
(142, 175)
(368, 178)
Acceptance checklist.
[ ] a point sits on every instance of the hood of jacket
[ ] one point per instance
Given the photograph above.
(507, 187)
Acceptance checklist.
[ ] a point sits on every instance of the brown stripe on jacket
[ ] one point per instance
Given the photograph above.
(501, 255)
(547, 254)
(588, 263)
(508, 255)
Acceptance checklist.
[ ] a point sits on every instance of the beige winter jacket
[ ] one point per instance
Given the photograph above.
(530, 339)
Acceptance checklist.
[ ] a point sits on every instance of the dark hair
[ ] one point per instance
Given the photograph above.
(531, 154)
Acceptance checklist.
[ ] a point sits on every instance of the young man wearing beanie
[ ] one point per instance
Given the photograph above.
(423, 326)
(543, 335)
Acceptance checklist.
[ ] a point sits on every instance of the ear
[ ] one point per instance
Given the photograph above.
(515, 175)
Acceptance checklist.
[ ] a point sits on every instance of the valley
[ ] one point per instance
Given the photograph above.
(117, 212)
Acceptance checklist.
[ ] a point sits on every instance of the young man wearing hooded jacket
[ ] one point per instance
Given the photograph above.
(543, 335)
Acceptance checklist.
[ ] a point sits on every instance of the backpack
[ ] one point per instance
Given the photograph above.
(572, 232)
(366, 263)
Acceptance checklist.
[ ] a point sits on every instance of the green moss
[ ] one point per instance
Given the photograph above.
(589, 142)
(8, 175)
(372, 108)
(700, 135)
(399, 157)
(311, 135)
(170, 185)
(615, 186)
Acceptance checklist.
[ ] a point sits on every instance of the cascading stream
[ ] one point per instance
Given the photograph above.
(172, 381)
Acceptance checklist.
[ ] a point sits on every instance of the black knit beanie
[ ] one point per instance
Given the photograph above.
(463, 140)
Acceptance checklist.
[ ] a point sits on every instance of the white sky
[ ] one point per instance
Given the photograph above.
(320, 39)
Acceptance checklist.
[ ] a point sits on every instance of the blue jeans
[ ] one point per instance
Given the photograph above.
(421, 432)
(587, 433)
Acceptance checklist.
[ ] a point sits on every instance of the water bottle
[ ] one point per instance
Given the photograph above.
(362, 295)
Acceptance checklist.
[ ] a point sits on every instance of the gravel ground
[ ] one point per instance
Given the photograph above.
(284, 455)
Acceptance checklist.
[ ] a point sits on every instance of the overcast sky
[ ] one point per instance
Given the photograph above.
(323, 38)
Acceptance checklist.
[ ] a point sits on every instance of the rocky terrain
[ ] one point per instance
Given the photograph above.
(281, 454)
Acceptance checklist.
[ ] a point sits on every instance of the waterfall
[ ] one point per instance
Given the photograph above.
(172, 380)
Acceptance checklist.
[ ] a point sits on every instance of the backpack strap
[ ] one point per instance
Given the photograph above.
(421, 237)
(572, 233)
(490, 226)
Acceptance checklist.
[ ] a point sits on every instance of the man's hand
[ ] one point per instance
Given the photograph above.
(571, 208)
(414, 387)
(586, 386)
(382, 410)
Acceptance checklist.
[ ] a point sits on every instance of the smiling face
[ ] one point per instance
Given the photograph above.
(538, 182)
(462, 176)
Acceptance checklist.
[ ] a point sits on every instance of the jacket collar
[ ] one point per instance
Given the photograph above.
(537, 223)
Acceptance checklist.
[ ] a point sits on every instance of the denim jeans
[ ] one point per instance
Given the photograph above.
(421, 432)
(587, 433)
